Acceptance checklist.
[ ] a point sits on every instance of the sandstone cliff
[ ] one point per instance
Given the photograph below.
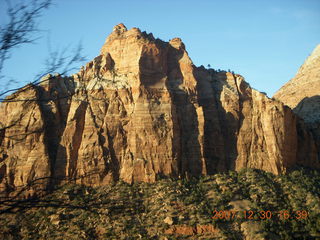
(142, 110)
(302, 94)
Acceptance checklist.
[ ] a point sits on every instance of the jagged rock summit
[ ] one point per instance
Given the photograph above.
(139, 111)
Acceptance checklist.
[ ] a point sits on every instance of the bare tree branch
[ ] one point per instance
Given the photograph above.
(20, 29)
(21, 26)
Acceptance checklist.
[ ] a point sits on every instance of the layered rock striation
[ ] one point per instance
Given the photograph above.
(139, 111)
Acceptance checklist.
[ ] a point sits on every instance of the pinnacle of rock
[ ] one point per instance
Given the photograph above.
(177, 43)
(120, 28)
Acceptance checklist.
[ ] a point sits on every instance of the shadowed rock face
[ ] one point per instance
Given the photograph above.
(142, 110)
(302, 94)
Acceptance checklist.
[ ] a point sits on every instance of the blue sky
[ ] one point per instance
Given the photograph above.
(265, 41)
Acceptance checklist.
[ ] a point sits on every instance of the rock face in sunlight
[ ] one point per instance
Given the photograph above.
(305, 84)
(23, 154)
(141, 110)
(302, 94)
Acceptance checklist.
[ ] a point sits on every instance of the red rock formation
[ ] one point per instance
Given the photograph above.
(142, 110)
(23, 154)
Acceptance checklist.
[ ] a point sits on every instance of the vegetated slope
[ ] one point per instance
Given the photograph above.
(173, 209)
(139, 111)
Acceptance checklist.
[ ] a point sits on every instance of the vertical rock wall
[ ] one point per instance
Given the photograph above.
(139, 111)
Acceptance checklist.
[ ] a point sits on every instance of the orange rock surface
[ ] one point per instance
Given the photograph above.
(141, 110)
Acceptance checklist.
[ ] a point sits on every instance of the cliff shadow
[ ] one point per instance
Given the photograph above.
(220, 127)
(308, 109)
(54, 103)
(186, 146)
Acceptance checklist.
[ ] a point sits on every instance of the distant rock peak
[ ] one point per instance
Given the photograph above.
(120, 28)
(305, 84)
(312, 61)
(177, 43)
(315, 54)
(302, 94)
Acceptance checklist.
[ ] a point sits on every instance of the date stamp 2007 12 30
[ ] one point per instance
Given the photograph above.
(260, 215)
